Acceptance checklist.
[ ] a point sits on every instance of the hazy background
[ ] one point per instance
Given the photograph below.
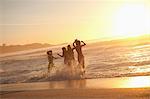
(59, 21)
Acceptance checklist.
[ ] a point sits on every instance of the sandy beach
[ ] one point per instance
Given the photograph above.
(134, 93)
(80, 89)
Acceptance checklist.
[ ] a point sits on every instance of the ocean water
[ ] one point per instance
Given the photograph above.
(101, 61)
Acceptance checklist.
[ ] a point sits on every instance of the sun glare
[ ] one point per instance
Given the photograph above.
(137, 82)
(131, 20)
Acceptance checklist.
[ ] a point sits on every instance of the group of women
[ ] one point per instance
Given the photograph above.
(68, 55)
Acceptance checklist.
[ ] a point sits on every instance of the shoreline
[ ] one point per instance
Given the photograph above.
(105, 88)
(101, 83)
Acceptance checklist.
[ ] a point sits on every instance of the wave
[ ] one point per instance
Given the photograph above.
(101, 62)
(65, 73)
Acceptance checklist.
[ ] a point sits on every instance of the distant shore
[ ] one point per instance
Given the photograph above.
(15, 48)
(4, 48)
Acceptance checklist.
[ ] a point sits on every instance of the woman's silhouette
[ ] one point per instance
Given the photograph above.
(65, 55)
(78, 46)
(71, 54)
(50, 60)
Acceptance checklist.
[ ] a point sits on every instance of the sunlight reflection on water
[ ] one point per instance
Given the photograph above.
(123, 82)
(136, 82)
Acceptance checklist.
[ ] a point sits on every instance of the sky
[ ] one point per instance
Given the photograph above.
(60, 21)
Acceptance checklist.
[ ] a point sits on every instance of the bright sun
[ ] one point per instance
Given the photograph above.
(131, 20)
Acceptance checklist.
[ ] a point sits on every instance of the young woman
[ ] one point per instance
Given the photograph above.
(65, 55)
(50, 60)
(71, 55)
(78, 46)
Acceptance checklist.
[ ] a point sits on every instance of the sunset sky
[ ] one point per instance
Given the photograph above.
(59, 21)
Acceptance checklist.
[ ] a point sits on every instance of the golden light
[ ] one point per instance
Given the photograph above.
(131, 20)
(136, 82)
(120, 82)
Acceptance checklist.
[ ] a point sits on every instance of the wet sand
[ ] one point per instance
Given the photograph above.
(106, 88)
(133, 93)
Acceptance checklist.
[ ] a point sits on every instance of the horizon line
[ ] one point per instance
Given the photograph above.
(89, 40)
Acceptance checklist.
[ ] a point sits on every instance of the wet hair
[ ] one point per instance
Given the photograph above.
(63, 48)
(49, 52)
(69, 47)
(78, 42)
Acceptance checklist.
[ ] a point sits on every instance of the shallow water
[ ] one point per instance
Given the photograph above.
(103, 83)
(102, 61)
